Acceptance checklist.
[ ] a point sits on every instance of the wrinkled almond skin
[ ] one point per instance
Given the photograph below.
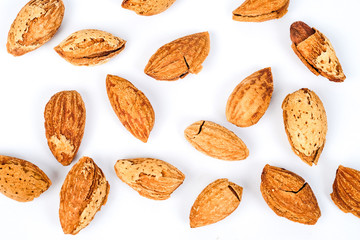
(151, 178)
(346, 190)
(289, 196)
(36, 23)
(83, 193)
(216, 141)
(21, 180)
(90, 47)
(305, 124)
(180, 57)
(217, 201)
(147, 7)
(250, 99)
(316, 52)
(65, 116)
(260, 10)
(131, 106)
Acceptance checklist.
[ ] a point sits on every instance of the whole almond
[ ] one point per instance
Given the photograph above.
(65, 117)
(151, 178)
(36, 23)
(90, 47)
(305, 124)
(180, 57)
(217, 201)
(83, 193)
(131, 106)
(250, 99)
(260, 10)
(316, 52)
(21, 180)
(147, 7)
(289, 196)
(216, 141)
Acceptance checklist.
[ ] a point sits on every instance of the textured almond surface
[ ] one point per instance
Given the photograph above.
(300, 31)
(151, 178)
(131, 106)
(216, 141)
(260, 10)
(179, 57)
(250, 99)
(82, 194)
(346, 190)
(305, 124)
(217, 201)
(289, 196)
(147, 7)
(35, 24)
(65, 117)
(90, 47)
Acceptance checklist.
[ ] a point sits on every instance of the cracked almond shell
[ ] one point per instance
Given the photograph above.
(90, 47)
(289, 196)
(250, 99)
(180, 57)
(305, 124)
(21, 180)
(65, 116)
(83, 193)
(131, 106)
(216, 141)
(151, 178)
(36, 23)
(217, 201)
(260, 10)
(147, 7)
(346, 190)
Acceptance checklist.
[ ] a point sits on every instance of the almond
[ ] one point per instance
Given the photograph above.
(216, 141)
(84, 192)
(217, 201)
(90, 47)
(305, 124)
(250, 99)
(179, 57)
(151, 178)
(131, 106)
(289, 196)
(147, 7)
(36, 23)
(65, 116)
(21, 180)
(316, 52)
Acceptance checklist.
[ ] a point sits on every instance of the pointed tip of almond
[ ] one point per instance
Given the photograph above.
(300, 31)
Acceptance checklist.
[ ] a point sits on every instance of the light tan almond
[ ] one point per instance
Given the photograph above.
(90, 47)
(216, 141)
(65, 117)
(151, 178)
(180, 57)
(36, 23)
(131, 106)
(147, 7)
(83, 193)
(217, 201)
(250, 99)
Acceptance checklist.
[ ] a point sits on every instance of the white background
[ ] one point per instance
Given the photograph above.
(237, 50)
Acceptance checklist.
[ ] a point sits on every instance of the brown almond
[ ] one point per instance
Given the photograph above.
(65, 117)
(217, 201)
(36, 23)
(90, 47)
(305, 124)
(151, 178)
(83, 193)
(250, 99)
(180, 57)
(216, 141)
(148, 7)
(289, 196)
(131, 106)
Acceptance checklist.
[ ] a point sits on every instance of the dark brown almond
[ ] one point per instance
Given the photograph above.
(299, 31)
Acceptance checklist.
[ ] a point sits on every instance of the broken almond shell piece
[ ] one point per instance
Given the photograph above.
(147, 7)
